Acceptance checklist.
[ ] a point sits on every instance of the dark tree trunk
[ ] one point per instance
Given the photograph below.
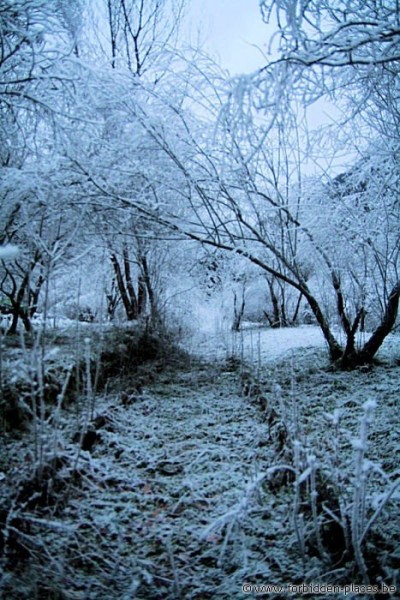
(280, 310)
(134, 303)
(129, 284)
(113, 298)
(18, 311)
(14, 323)
(335, 351)
(238, 311)
(297, 309)
(142, 295)
(34, 296)
(154, 313)
(283, 320)
(371, 347)
(275, 320)
(130, 303)
(113, 34)
(348, 329)
(26, 320)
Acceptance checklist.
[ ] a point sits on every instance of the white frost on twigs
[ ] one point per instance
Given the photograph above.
(8, 252)
(369, 405)
(358, 444)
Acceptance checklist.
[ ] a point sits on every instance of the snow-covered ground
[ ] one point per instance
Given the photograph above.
(254, 342)
(171, 499)
(264, 344)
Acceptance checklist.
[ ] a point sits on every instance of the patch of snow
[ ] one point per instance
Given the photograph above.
(256, 343)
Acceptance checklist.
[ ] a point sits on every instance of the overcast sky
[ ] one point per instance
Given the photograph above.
(233, 32)
(231, 29)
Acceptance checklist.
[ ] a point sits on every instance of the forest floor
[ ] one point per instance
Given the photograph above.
(173, 492)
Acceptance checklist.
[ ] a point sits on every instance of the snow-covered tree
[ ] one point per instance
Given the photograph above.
(244, 201)
(140, 31)
(38, 216)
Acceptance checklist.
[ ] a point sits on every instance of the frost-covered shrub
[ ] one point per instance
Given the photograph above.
(127, 349)
(83, 313)
(29, 377)
(326, 469)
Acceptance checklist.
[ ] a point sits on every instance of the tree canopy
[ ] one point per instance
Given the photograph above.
(117, 139)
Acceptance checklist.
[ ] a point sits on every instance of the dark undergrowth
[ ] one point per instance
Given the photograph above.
(36, 371)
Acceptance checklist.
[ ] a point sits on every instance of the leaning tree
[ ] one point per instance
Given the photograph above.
(220, 183)
(240, 202)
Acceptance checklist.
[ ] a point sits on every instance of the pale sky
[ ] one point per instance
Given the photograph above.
(230, 30)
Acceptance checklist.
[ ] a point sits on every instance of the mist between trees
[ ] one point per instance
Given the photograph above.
(139, 181)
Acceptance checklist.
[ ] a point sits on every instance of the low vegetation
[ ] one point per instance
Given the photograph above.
(171, 476)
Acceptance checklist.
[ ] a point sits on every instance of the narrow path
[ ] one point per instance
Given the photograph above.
(168, 465)
(163, 506)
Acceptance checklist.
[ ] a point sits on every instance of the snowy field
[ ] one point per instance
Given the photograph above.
(260, 344)
(254, 343)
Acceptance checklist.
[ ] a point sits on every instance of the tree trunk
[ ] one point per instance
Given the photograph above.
(26, 320)
(113, 34)
(34, 296)
(130, 307)
(335, 351)
(296, 310)
(275, 321)
(112, 300)
(142, 295)
(371, 347)
(155, 316)
(238, 311)
(129, 284)
(16, 299)
(280, 306)
(14, 323)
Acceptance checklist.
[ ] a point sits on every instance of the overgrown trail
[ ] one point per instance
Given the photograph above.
(163, 504)
(168, 464)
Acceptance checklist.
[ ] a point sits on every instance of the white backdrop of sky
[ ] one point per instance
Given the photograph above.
(235, 35)
(232, 31)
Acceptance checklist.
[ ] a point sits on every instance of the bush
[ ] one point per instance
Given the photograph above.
(84, 313)
(129, 349)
